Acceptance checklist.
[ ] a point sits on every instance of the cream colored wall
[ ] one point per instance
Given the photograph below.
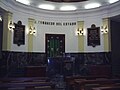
(72, 42)
(69, 31)
(97, 20)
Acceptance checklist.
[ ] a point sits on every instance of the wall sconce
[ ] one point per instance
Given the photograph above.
(11, 26)
(0, 18)
(104, 29)
(80, 31)
(32, 30)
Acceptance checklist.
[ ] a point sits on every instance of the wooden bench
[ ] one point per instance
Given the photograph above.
(26, 85)
(107, 88)
(96, 86)
(70, 79)
(23, 79)
(33, 83)
(80, 84)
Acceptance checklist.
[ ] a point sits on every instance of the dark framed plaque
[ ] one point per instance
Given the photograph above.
(93, 34)
(19, 34)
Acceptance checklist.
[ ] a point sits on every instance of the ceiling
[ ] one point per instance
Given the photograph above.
(68, 1)
(58, 4)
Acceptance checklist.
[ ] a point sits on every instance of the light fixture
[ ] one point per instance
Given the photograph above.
(113, 1)
(92, 5)
(0, 18)
(68, 8)
(80, 31)
(26, 2)
(32, 30)
(104, 29)
(47, 6)
(11, 26)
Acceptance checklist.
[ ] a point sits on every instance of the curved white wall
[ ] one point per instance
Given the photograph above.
(94, 16)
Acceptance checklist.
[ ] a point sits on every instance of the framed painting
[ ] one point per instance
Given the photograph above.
(93, 36)
(19, 34)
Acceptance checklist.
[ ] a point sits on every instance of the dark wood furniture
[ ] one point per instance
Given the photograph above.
(80, 84)
(107, 88)
(26, 83)
(35, 71)
(70, 80)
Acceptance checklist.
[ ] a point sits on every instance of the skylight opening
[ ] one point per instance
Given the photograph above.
(26, 2)
(47, 6)
(68, 8)
(113, 1)
(92, 5)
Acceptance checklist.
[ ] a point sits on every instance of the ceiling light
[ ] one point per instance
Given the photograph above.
(113, 1)
(24, 2)
(92, 5)
(46, 6)
(68, 8)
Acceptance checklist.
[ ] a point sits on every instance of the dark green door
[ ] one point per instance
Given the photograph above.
(55, 45)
